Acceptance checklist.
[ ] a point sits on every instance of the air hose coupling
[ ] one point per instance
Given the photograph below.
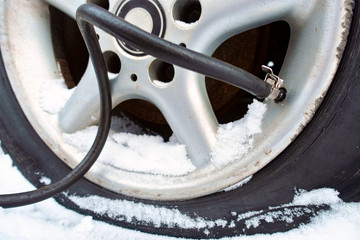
(277, 93)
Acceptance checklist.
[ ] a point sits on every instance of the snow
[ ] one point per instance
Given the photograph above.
(235, 139)
(129, 211)
(53, 95)
(45, 180)
(151, 154)
(49, 220)
(160, 83)
(316, 197)
(39, 221)
(147, 153)
(184, 24)
(141, 153)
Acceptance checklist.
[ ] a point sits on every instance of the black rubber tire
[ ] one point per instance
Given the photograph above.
(325, 154)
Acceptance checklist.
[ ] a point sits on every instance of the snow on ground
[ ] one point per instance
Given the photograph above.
(49, 220)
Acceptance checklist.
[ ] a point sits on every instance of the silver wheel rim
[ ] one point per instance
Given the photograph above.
(318, 36)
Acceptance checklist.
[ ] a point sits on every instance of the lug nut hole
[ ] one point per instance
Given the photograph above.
(187, 11)
(101, 3)
(112, 62)
(161, 72)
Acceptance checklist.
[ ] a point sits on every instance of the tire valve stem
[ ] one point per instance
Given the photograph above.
(277, 93)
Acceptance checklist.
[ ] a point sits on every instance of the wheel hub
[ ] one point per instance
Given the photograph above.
(147, 15)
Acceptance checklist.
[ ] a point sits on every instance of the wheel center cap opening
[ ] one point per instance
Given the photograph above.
(140, 18)
(145, 14)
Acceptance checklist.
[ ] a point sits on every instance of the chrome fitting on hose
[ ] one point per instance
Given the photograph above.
(278, 93)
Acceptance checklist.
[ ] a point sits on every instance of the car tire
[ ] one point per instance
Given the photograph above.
(324, 155)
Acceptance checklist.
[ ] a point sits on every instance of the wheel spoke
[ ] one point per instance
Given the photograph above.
(184, 104)
(186, 107)
(221, 20)
(82, 109)
(67, 6)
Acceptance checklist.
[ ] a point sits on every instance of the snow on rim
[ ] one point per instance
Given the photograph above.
(148, 153)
